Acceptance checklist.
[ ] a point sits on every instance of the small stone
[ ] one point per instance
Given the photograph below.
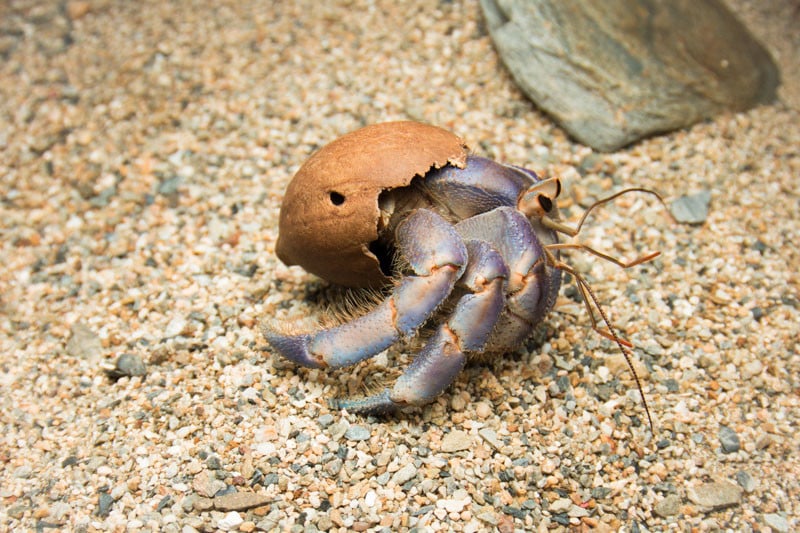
(239, 501)
(205, 486)
(490, 436)
(405, 474)
(777, 522)
(17, 511)
(454, 505)
(357, 433)
(560, 505)
(576, 511)
(23, 472)
(669, 506)
(729, 440)
(325, 420)
(84, 343)
(128, 364)
(483, 410)
(715, 496)
(456, 441)
(104, 503)
(334, 466)
(78, 9)
(230, 521)
(175, 327)
(201, 504)
(746, 481)
(691, 209)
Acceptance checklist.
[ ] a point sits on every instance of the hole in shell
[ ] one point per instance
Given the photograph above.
(336, 198)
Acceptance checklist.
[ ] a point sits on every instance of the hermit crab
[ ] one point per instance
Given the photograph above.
(468, 246)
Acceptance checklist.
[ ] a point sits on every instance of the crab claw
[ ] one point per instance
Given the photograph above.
(294, 348)
(436, 254)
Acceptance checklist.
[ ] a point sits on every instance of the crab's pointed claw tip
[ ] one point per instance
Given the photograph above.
(291, 346)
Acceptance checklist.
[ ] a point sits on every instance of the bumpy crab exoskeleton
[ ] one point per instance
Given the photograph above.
(479, 239)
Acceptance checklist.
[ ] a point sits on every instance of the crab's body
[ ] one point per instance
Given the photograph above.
(467, 237)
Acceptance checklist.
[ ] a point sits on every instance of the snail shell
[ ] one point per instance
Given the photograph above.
(330, 212)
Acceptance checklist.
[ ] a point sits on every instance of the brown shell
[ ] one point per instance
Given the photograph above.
(329, 214)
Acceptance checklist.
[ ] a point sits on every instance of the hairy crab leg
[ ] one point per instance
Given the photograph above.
(443, 357)
(437, 256)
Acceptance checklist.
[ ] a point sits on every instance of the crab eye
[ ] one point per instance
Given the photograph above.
(545, 203)
(336, 198)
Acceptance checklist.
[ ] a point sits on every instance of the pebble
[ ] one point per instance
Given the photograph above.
(357, 433)
(207, 486)
(729, 440)
(691, 209)
(84, 343)
(456, 504)
(715, 495)
(129, 364)
(746, 481)
(483, 410)
(669, 506)
(490, 436)
(325, 420)
(104, 503)
(175, 327)
(456, 441)
(239, 501)
(230, 521)
(777, 522)
(560, 505)
(406, 473)
(23, 472)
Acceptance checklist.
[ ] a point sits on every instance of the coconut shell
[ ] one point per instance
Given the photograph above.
(330, 212)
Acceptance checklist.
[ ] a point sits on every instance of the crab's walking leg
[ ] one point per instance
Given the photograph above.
(443, 357)
(437, 256)
(532, 286)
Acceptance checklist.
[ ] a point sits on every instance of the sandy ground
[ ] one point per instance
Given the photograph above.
(144, 150)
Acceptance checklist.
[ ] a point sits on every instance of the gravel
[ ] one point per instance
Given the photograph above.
(143, 157)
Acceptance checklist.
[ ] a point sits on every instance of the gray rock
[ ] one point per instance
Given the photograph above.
(128, 364)
(746, 481)
(613, 72)
(691, 209)
(455, 441)
(715, 496)
(729, 440)
(357, 433)
(325, 420)
(104, 503)
(777, 522)
(669, 506)
(240, 501)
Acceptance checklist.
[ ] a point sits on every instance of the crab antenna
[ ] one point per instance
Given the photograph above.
(586, 289)
(614, 196)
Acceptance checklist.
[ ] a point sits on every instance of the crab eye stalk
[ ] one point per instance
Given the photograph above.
(545, 203)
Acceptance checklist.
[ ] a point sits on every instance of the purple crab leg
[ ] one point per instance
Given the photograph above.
(437, 256)
(443, 357)
(532, 285)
